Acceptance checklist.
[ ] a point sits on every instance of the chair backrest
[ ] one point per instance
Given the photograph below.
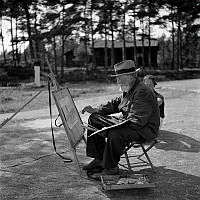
(69, 115)
(161, 123)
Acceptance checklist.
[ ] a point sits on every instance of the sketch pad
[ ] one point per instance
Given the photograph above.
(109, 127)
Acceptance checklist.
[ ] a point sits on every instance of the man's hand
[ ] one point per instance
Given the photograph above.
(160, 101)
(89, 109)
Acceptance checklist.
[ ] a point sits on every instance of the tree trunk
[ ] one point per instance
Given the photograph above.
(12, 41)
(36, 36)
(143, 52)
(106, 51)
(63, 43)
(4, 54)
(173, 41)
(62, 55)
(92, 35)
(113, 50)
(26, 9)
(181, 50)
(113, 45)
(86, 51)
(85, 40)
(124, 38)
(178, 43)
(134, 37)
(16, 44)
(3, 48)
(149, 45)
(163, 52)
(55, 54)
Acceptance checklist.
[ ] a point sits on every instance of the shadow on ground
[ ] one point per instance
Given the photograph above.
(177, 142)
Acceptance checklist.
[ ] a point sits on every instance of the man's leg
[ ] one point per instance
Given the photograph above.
(118, 139)
(95, 144)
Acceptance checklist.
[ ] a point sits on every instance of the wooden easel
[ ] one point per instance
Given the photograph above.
(69, 114)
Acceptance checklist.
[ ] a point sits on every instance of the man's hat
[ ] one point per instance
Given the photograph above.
(149, 76)
(125, 67)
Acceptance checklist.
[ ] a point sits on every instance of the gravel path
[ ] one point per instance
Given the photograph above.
(29, 168)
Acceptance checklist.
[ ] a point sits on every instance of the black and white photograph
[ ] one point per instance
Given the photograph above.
(99, 99)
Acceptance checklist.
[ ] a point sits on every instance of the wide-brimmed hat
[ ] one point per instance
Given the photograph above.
(149, 76)
(124, 67)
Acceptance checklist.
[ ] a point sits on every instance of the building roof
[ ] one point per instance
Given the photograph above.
(101, 44)
(119, 44)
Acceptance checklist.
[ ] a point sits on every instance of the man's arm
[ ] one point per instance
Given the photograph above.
(110, 107)
(104, 109)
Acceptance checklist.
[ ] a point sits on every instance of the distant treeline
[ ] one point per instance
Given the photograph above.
(56, 26)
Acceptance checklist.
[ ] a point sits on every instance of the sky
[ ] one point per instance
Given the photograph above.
(7, 37)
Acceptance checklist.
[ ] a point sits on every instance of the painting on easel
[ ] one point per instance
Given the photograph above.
(69, 115)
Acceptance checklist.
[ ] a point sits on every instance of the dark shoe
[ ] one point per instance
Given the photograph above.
(94, 171)
(111, 171)
(93, 165)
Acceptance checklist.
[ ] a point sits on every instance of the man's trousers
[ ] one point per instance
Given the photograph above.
(110, 150)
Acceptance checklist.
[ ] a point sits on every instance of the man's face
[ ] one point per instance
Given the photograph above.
(124, 82)
(149, 83)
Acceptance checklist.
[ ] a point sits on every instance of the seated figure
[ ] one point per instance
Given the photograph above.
(140, 114)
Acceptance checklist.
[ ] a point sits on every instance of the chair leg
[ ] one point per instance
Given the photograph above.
(127, 160)
(147, 149)
(145, 153)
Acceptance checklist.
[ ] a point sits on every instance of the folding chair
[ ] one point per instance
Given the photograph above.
(140, 162)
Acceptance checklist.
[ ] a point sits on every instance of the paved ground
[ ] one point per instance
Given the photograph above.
(29, 168)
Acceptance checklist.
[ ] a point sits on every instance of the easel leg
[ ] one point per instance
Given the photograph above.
(84, 139)
(76, 161)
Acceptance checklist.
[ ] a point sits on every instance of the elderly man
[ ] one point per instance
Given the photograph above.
(140, 114)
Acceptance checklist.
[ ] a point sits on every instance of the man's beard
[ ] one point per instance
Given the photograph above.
(124, 88)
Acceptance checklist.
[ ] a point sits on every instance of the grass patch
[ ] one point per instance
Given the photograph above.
(12, 99)
(6, 99)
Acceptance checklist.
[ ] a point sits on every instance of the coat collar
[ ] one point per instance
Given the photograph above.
(134, 84)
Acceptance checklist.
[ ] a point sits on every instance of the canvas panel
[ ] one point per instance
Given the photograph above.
(69, 115)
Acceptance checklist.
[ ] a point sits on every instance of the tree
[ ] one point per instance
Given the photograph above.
(133, 8)
(62, 22)
(12, 12)
(2, 10)
(183, 12)
(65, 19)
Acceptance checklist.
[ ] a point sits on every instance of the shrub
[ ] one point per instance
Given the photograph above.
(5, 80)
(19, 71)
(73, 75)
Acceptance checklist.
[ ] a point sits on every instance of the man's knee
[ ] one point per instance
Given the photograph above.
(93, 119)
(124, 134)
(115, 134)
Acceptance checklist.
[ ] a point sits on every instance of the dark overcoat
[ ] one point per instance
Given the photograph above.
(140, 107)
